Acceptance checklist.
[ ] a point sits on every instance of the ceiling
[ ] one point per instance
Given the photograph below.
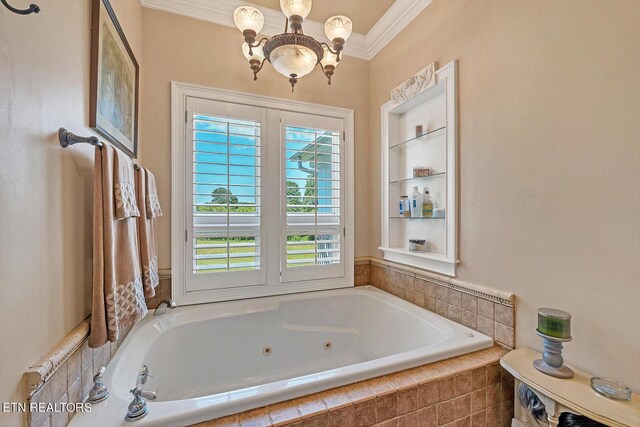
(363, 13)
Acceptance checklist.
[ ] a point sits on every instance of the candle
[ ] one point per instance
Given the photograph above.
(554, 323)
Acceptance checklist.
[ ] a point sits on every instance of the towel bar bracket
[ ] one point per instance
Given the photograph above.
(67, 138)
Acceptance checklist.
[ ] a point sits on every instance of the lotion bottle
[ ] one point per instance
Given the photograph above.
(427, 205)
(416, 203)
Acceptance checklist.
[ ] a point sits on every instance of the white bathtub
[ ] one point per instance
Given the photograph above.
(213, 360)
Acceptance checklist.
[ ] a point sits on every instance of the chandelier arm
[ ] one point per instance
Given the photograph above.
(286, 26)
(33, 8)
(256, 71)
(251, 46)
(329, 48)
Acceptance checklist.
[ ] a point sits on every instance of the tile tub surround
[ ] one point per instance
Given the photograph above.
(70, 381)
(470, 390)
(486, 310)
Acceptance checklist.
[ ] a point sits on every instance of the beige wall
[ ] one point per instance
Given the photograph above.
(549, 159)
(45, 205)
(198, 52)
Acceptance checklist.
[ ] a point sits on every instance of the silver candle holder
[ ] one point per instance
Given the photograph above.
(554, 326)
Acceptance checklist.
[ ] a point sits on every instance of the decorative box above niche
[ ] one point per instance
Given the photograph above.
(419, 149)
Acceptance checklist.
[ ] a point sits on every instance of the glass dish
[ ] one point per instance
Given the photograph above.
(611, 389)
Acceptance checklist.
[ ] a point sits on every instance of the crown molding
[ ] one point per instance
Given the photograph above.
(399, 15)
(220, 12)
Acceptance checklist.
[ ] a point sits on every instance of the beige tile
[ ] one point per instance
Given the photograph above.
(317, 421)
(230, 421)
(420, 299)
(478, 400)
(492, 415)
(454, 298)
(61, 418)
(441, 308)
(360, 392)
(407, 401)
(365, 413)
(335, 398)
(344, 417)
(381, 386)
(86, 357)
(402, 380)
(463, 422)
(504, 334)
(479, 419)
(485, 326)
(428, 417)
(389, 423)
(87, 382)
(74, 367)
(493, 394)
(283, 413)
(430, 304)
(442, 293)
(462, 406)
(469, 319)
(469, 303)
(310, 406)
(386, 407)
(485, 308)
(446, 412)
(493, 373)
(41, 396)
(463, 383)
(479, 376)
(255, 418)
(504, 315)
(428, 394)
(59, 383)
(430, 289)
(446, 389)
(75, 391)
(490, 355)
(454, 313)
(408, 420)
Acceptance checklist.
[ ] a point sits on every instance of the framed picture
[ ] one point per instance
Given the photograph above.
(113, 111)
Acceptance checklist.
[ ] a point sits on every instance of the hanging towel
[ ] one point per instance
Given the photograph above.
(118, 296)
(147, 195)
(153, 204)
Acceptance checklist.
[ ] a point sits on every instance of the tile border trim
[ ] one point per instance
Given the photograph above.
(494, 295)
(37, 374)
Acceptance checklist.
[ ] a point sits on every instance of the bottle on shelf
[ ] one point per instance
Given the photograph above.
(416, 203)
(404, 206)
(427, 204)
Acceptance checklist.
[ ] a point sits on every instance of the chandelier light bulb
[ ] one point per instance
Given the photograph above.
(338, 27)
(258, 53)
(248, 18)
(329, 59)
(292, 60)
(300, 8)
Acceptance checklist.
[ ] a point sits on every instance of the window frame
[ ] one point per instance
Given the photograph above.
(271, 164)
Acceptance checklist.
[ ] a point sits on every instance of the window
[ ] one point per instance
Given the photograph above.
(262, 198)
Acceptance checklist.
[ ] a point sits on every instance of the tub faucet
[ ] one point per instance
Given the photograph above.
(162, 307)
(138, 407)
(99, 391)
(143, 375)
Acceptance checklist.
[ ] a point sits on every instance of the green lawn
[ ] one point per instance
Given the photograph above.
(249, 259)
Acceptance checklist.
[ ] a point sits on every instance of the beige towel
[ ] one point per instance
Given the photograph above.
(118, 297)
(153, 203)
(147, 229)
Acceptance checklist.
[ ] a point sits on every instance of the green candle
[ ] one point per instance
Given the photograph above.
(554, 323)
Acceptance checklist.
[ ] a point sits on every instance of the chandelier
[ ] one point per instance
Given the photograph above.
(292, 53)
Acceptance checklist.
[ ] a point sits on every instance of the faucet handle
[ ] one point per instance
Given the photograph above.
(99, 391)
(143, 374)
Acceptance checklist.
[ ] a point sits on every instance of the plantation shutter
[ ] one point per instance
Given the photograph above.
(312, 186)
(224, 143)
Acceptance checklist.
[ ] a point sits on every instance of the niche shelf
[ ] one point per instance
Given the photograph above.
(435, 109)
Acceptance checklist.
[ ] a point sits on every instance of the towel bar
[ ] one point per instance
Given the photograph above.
(67, 138)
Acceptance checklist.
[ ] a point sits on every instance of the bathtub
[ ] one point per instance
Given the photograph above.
(213, 360)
